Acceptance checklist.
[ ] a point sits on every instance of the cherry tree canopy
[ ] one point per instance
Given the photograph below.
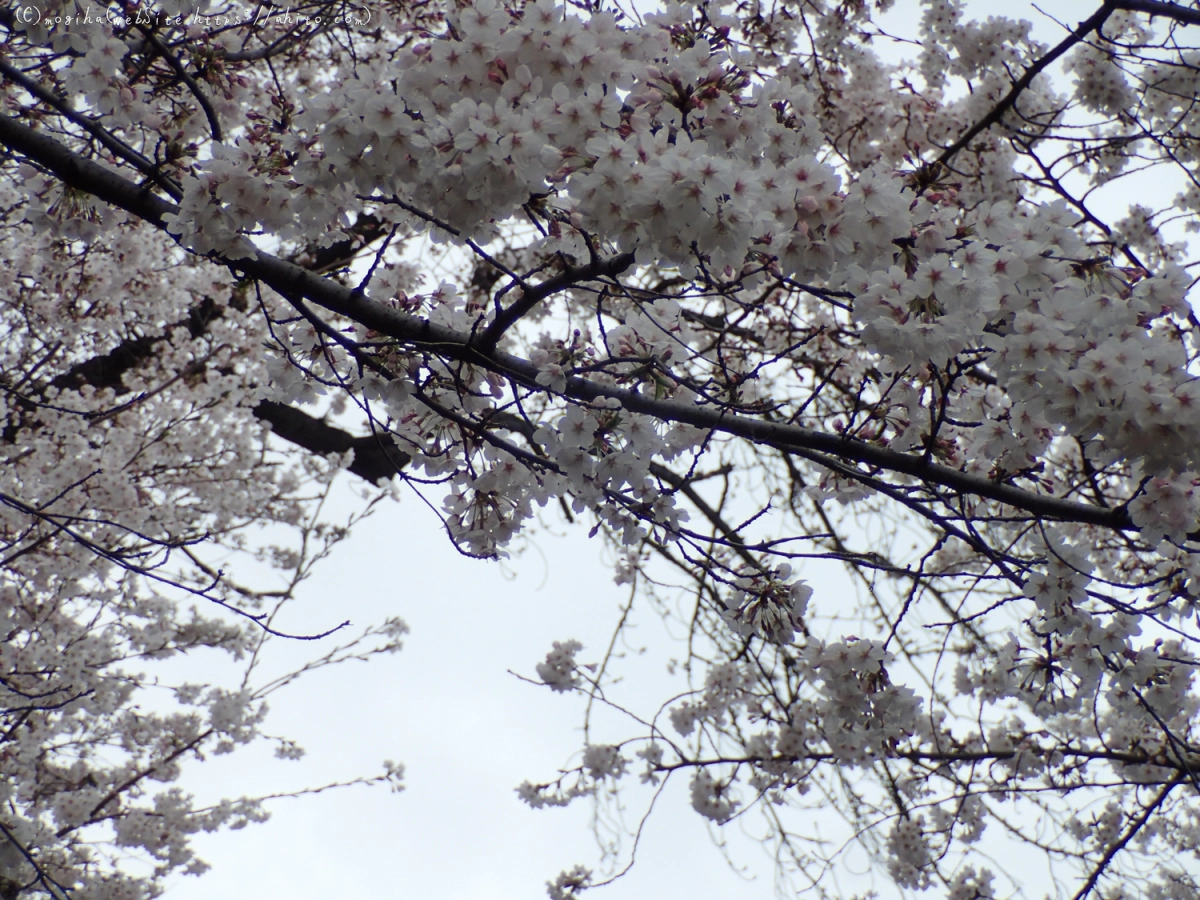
(715, 281)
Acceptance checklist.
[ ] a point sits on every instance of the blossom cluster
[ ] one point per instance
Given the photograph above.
(768, 605)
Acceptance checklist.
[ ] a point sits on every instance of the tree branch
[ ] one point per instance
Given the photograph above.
(289, 279)
(1156, 8)
(1086, 27)
(214, 121)
(376, 457)
(534, 295)
(1119, 844)
(115, 146)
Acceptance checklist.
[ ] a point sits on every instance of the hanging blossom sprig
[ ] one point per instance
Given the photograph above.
(768, 604)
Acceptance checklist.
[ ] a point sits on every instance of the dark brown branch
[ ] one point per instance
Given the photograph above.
(108, 370)
(85, 175)
(115, 146)
(1167, 10)
(376, 457)
(289, 279)
(532, 296)
(1086, 27)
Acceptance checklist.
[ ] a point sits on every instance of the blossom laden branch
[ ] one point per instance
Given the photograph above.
(287, 278)
(1092, 23)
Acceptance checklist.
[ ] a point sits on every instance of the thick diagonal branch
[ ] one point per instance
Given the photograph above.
(1086, 27)
(292, 280)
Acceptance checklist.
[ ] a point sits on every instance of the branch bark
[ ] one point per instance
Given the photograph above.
(1157, 8)
(1086, 27)
(289, 279)
(376, 457)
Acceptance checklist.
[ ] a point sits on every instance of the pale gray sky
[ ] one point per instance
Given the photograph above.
(467, 731)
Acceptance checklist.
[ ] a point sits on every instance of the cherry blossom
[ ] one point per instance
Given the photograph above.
(685, 277)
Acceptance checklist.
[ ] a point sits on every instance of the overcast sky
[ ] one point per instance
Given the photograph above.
(467, 731)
